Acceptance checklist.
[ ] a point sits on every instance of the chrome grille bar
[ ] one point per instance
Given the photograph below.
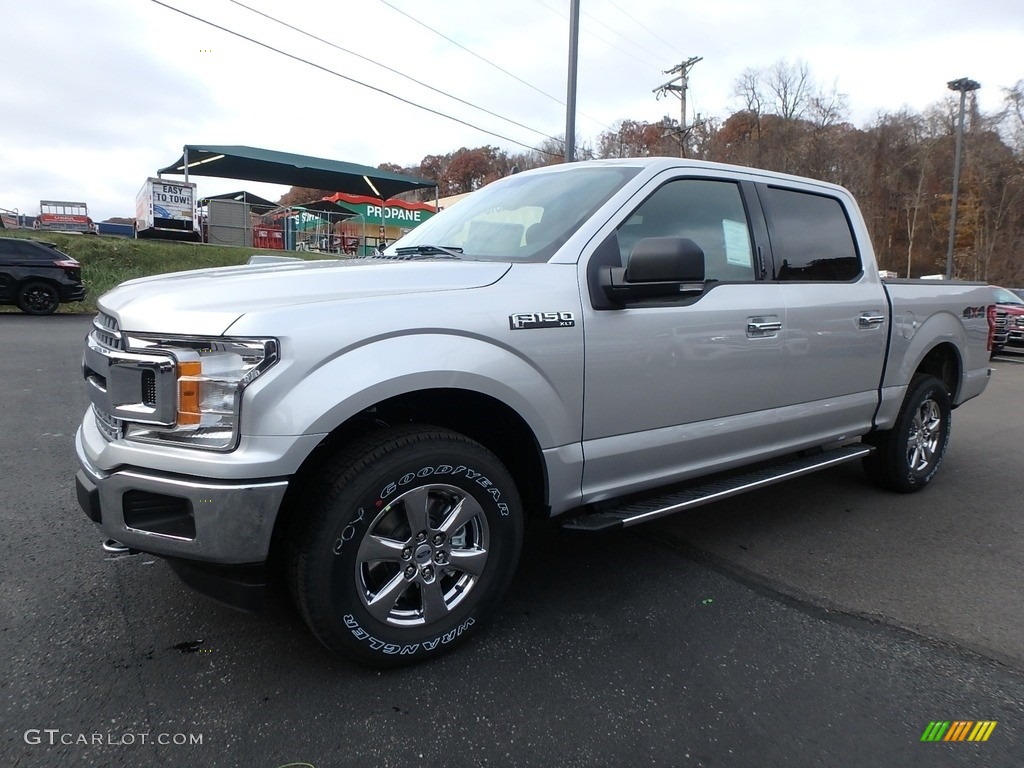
(126, 385)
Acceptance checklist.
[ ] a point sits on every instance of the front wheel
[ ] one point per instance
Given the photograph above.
(411, 539)
(907, 456)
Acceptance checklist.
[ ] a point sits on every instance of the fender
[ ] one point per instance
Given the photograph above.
(380, 368)
(910, 345)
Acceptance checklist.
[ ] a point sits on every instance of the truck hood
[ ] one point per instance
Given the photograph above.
(208, 301)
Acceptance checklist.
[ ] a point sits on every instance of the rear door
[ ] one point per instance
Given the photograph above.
(675, 386)
(836, 311)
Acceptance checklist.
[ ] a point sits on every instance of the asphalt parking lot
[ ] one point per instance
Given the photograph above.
(819, 623)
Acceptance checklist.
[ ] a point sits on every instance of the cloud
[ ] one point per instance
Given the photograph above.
(98, 95)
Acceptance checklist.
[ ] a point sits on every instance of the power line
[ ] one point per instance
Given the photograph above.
(607, 42)
(351, 79)
(473, 53)
(643, 26)
(487, 61)
(390, 69)
(594, 18)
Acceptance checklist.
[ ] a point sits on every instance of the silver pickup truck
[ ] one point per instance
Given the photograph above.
(606, 342)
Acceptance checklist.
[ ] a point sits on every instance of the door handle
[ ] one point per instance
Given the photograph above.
(870, 320)
(761, 326)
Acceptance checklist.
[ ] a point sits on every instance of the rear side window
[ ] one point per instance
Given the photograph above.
(33, 251)
(811, 237)
(29, 249)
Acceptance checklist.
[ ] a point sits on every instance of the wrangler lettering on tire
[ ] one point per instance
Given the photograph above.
(411, 540)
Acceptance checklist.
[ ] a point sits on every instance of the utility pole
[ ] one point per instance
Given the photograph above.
(679, 85)
(570, 101)
(963, 85)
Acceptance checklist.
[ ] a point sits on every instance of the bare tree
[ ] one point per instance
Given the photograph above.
(829, 108)
(1012, 118)
(792, 87)
(749, 90)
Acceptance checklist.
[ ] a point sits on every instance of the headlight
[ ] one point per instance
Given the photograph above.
(210, 375)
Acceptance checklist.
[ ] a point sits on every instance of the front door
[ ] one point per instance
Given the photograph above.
(673, 387)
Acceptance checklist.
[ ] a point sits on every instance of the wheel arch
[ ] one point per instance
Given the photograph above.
(478, 416)
(944, 363)
(37, 279)
(935, 348)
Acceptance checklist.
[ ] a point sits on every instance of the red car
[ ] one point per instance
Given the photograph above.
(1009, 324)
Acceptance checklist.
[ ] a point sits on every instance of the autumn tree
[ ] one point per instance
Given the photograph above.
(787, 121)
(300, 195)
(392, 168)
(632, 138)
(470, 169)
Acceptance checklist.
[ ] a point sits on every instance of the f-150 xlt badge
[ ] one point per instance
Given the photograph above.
(526, 320)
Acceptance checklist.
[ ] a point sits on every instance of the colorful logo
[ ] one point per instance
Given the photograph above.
(958, 730)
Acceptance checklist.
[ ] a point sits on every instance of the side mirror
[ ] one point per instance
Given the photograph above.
(658, 267)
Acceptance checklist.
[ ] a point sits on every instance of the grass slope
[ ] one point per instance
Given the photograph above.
(109, 261)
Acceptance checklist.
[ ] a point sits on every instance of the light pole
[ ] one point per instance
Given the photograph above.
(963, 85)
(570, 100)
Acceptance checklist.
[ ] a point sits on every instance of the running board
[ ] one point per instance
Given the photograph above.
(659, 506)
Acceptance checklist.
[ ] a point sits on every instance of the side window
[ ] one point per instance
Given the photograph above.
(709, 212)
(811, 237)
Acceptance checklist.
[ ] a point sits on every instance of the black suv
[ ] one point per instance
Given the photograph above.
(37, 277)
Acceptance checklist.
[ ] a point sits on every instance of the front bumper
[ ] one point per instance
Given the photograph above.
(224, 522)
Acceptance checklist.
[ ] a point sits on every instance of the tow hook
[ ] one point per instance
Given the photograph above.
(116, 548)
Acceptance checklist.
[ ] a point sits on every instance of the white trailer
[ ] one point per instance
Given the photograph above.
(167, 210)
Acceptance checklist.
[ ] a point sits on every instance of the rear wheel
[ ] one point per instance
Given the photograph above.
(410, 541)
(38, 298)
(907, 456)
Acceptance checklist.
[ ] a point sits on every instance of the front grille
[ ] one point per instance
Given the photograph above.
(106, 332)
(109, 427)
(127, 385)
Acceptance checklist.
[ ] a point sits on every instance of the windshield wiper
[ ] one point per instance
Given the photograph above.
(451, 252)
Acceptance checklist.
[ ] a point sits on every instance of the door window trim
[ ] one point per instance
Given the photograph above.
(602, 255)
(761, 187)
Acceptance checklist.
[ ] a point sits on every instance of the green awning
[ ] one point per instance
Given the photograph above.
(267, 165)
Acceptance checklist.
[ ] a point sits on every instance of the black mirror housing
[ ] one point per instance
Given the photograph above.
(658, 267)
(665, 259)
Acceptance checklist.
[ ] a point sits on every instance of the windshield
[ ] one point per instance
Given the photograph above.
(519, 218)
(1003, 296)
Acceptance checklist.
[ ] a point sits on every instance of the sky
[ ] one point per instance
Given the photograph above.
(95, 97)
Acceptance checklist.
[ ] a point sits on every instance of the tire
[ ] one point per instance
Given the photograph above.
(38, 297)
(907, 456)
(410, 539)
